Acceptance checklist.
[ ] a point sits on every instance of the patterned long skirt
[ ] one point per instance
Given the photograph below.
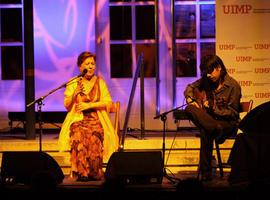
(86, 139)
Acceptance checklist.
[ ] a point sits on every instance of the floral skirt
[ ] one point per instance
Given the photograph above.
(86, 139)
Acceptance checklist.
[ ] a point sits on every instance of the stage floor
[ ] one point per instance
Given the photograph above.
(187, 186)
(181, 180)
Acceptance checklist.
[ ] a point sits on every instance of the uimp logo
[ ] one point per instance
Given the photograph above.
(231, 70)
(261, 70)
(245, 83)
(226, 46)
(243, 58)
(262, 95)
(262, 46)
(237, 9)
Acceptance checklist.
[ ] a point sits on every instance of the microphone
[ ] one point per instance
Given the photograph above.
(71, 81)
(83, 73)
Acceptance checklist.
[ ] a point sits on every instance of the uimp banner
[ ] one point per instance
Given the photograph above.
(243, 42)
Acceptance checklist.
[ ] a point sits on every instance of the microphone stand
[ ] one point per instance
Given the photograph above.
(40, 104)
(163, 117)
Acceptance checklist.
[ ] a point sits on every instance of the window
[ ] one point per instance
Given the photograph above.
(194, 30)
(11, 40)
(132, 31)
(12, 62)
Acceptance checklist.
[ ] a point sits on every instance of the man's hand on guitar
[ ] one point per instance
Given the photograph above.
(206, 104)
(191, 101)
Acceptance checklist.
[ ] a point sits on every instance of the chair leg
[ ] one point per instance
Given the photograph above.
(219, 159)
(198, 171)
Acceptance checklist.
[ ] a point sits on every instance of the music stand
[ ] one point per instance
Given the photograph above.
(163, 117)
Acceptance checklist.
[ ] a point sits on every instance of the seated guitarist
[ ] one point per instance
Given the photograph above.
(213, 106)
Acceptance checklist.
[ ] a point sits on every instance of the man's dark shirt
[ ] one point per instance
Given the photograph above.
(226, 101)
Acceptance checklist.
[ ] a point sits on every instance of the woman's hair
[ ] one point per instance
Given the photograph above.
(83, 56)
(209, 63)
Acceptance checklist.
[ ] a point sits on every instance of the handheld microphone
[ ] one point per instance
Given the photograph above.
(83, 73)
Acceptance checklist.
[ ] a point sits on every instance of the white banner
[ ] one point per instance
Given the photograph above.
(243, 42)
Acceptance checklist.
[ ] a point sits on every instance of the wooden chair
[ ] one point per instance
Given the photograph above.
(246, 106)
(115, 108)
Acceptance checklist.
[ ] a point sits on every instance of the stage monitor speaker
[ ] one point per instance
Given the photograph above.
(249, 158)
(26, 167)
(135, 167)
(257, 120)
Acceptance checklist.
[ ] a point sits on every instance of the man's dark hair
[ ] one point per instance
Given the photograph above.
(209, 63)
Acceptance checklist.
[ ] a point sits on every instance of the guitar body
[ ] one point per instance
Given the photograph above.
(200, 97)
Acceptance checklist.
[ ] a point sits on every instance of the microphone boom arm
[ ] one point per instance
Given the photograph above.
(39, 102)
(167, 112)
(52, 91)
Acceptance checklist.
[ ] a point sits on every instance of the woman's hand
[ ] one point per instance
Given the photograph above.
(81, 106)
(79, 90)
